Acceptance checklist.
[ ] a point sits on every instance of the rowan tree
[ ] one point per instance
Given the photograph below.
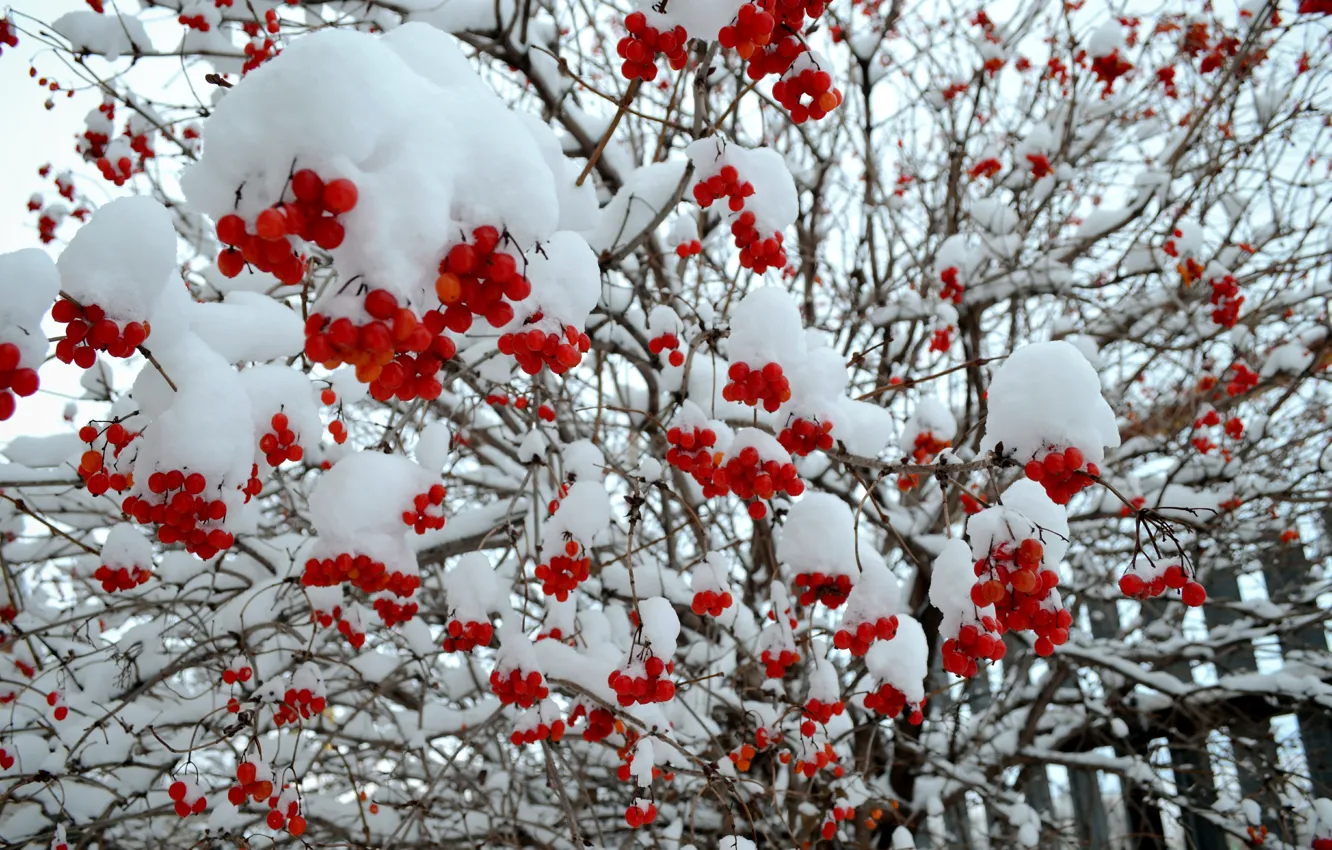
(713, 423)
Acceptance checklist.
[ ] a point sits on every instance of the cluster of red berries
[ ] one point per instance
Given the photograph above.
(6, 760)
(392, 613)
(751, 478)
(711, 602)
(1227, 300)
(477, 279)
(640, 48)
(13, 380)
(724, 184)
(960, 654)
(600, 722)
(535, 348)
(348, 629)
(647, 689)
(248, 785)
(691, 452)
(1173, 577)
(777, 664)
(462, 637)
(824, 758)
(291, 819)
(986, 168)
(1324, 843)
(361, 571)
(1012, 580)
(121, 578)
(667, 342)
(253, 486)
(241, 674)
(312, 216)
(766, 386)
(187, 799)
(792, 13)
(857, 639)
(692, 248)
(396, 353)
(280, 444)
(838, 814)
(821, 587)
(890, 702)
(776, 57)
(118, 172)
(539, 732)
(640, 813)
(8, 35)
(88, 331)
(194, 22)
(564, 572)
(56, 701)
(1061, 473)
(180, 512)
(927, 446)
(422, 518)
(1243, 380)
(757, 254)
(92, 465)
(517, 688)
(752, 30)
(817, 712)
(298, 704)
(1108, 69)
(791, 90)
(803, 436)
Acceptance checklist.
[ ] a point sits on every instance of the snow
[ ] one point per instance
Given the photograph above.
(661, 626)
(766, 328)
(381, 111)
(819, 536)
(583, 514)
(248, 326)
(775, 202)
(1047, 394)
(29, 283)
(110, 36)
(126, 546)
(122, 258)
(902, 661)
(646, 191)
(931, 416)
(472, 588)
(950, 588)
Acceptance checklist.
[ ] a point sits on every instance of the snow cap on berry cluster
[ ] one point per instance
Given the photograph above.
(902, 662)
(472, 589)
(766, 328)
(819, 536)
(1106, 39)
(950, 588)
(931, 416)
(700, 18)
(823, 679)
(663, 320)
(583, 514)
(205, 426)
(357, 506)
(29, 283)
(764, 443)
(516, 651)
(736, 842)
(818, 385)
(775, 202)
(711, 573)
(876, 592)
(1025, 511)
(566, 283)
(126, 546)
(122, 258)
(661, 626)
(1047, 394)
(384, 112)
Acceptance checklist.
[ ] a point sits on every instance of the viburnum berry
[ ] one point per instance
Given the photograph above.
(668, 342)
(1061, 472)
(803, 436)
(755, 480)
(811, 82)
(279, 444)
(776, 664)
(711, 602)
(395, 352)
(466, 636)
(724, 184)
(176, 504)
(817, 712)
(651, 686)
(427, 512)
(187, 798)
(890, 702)
(640, 48)
(88, 330)
(562, 573)
(538, 732)
(518, 688)
(1153, 581)
(534, 348)
(752, 29)
(640, 813)
(361, 571)
(478, 279)
(121, 578)
(857, 638)
(820, 587)
(691, 451)
(96, 475)
(692, 248)
(766, 385)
